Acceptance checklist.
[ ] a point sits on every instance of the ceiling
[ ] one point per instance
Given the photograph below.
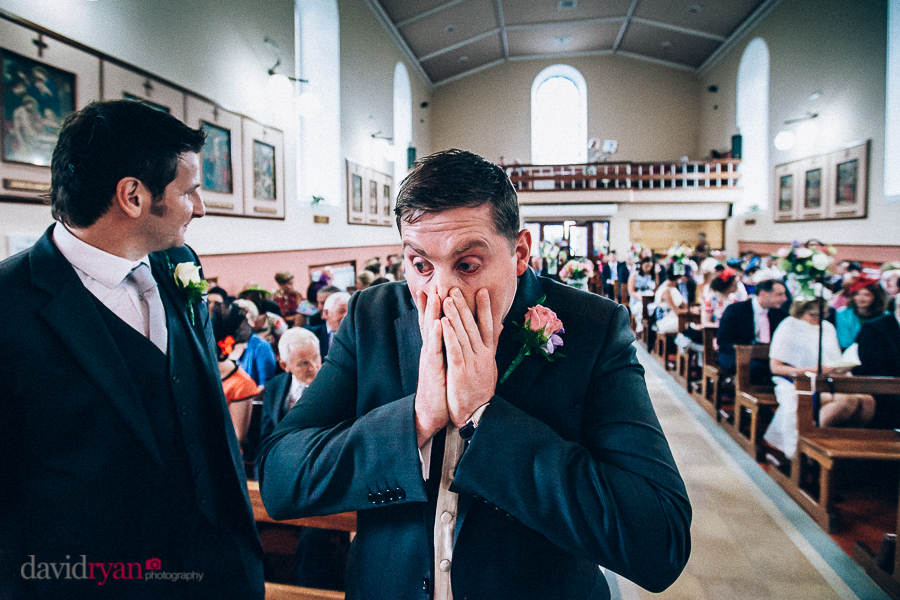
(449, 39)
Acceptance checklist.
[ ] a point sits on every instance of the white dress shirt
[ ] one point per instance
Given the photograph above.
(294, 394)
(105, 276)
(762, 333)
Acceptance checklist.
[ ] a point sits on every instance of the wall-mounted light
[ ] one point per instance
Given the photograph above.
(280, 85)
(807, 117)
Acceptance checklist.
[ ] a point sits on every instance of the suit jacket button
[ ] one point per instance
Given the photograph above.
(400, 493)
(389, 495)
(371, 498)
(379, 498)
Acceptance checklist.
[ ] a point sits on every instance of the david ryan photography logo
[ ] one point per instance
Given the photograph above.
(103, 572)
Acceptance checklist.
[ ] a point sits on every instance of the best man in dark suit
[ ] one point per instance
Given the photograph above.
(119, 462)
(741, 324)
(879, 353)
(563, 465)
(613, 271)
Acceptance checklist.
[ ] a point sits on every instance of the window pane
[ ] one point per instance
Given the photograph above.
(535, 229)
(578, 241)
(558, 131)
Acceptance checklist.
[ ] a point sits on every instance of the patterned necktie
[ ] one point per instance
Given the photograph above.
(151, 304)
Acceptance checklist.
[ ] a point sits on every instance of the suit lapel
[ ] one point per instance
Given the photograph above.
(409, 347)
(526, 373)
(73, 316)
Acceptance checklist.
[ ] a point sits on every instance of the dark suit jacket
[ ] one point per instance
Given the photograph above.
(321, 332)
(273, 410)
(621, 270)
(879, 353)
(568, 469)
(83, 469)
(737, 327)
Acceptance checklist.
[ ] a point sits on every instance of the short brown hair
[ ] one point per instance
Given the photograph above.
(801, 307)
(459, 179)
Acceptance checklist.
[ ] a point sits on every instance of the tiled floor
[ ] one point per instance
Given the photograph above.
(749, 540)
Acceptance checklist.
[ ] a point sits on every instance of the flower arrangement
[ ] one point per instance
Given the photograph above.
(576, 271)
(679, 256)
(804, 265)
(539, 335)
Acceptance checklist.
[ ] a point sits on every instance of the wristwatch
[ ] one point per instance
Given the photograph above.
(468, 430)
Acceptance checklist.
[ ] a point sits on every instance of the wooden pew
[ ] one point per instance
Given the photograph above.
(340, 522)
(751, 402)
(829, 446)
(278, 591)
(646, 301)
(683, 356)
(664, 340)
(709, 396)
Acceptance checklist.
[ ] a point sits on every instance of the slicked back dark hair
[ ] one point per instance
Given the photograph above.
(767, 285)
(107, 141)
(459, 179)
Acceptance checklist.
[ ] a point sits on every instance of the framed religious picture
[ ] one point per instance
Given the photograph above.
(785, 205)
(385, 203)
(44, 80)
(355, 205)
(263, 160)
(122, 83)
(848, 174)
(222, 186)
(812, 184)
(372, 215)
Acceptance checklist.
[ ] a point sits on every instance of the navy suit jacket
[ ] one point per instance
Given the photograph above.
(273, 410)
(879, 353)
(81, 469)
(621, 271)
(321, 332)
(568, 470)
(737, 328)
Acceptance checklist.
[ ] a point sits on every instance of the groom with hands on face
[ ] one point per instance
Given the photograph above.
(466, 484)
(118, 460)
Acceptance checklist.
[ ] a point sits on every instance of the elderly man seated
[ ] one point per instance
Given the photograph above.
(321, 554)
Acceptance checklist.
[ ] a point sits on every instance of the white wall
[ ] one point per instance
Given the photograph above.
(216, 48)
(828, 46)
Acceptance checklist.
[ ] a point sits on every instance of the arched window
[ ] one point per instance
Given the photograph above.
(318, 49)
(402, 123)
(558, 116)
(753, 125)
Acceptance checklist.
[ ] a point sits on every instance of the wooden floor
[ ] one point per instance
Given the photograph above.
(749, 539)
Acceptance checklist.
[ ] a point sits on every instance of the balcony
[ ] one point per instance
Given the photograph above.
(713, 181)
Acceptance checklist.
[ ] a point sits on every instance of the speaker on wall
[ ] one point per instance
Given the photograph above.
(736, 143)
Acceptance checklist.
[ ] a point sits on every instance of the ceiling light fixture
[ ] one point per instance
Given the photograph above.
(807, 117)
(566, 4)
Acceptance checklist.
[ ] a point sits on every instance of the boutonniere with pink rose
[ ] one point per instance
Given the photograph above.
(539, 335)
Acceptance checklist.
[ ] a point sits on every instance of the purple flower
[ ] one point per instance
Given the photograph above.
(553, 343)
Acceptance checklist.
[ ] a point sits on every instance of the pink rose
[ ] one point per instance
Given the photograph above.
(540, 317)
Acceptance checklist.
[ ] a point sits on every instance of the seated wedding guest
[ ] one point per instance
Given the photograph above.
(842, 293)
(301, 360)
(396, 270)
(890, 281)
(866, 300)
(255, 356)
(216, 296)
(879, 355)
(687, 285)
(266, 323)
(364, 280)
(230, 327)
(323, 279)
(669, 303)
(721, 295)
(751, 322)
(614, 271)
(321, 296)
(640, 283)
(321, 554)
(333, 312)
(794, 351)
(287, 298)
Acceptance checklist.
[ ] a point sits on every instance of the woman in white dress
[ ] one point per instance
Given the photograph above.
(669, 303)
(794, 351)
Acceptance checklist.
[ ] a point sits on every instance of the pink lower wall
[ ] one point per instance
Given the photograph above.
(861, 253)
(236, 271)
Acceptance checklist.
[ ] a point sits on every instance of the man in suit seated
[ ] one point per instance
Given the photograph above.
(614, 271)
(879, 353)
(439, 419)
(321, 554)
(750, 322)
(116, 447)
(333, 312)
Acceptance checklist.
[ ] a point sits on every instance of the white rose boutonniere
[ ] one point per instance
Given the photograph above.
(192, 285)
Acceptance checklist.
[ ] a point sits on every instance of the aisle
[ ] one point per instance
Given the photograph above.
(749, 539)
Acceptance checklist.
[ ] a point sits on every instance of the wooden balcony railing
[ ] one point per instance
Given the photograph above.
(712, 174)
